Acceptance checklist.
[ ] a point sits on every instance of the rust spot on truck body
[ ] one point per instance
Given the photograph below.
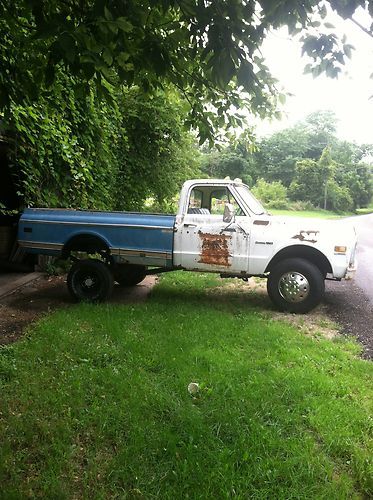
(215, 249)
(306, 236)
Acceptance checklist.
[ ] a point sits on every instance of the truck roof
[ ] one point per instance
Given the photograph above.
(225, 181)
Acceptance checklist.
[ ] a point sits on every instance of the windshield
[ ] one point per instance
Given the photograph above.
(250, 200)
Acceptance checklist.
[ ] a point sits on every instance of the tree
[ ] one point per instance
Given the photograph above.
(316, 182)
(339, 197)
(277, 155)
(358, 180)
(226, 163)
(327, 166)
(320, 129)
(276, 158)
(307, 184)
(209, 50)
(158, 154)
(82, 152)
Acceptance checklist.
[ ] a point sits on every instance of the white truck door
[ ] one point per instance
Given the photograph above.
(203, 241)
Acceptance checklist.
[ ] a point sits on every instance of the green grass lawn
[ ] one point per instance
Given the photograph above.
(94, 403)
(364, 211)
(317, 214)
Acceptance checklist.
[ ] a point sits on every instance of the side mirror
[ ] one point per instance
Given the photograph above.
(228, 213)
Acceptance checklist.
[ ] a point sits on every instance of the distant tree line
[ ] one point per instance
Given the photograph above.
(305, 163)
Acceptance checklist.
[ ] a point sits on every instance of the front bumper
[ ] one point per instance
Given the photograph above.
(351, 270)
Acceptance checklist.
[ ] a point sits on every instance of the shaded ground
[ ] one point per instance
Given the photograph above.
(350, 307)
(5, 277)
(345, 303)
(21, 308)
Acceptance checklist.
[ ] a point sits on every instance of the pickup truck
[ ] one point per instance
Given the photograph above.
(220, 227)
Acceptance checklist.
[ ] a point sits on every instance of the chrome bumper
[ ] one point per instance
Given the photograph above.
(351, 270)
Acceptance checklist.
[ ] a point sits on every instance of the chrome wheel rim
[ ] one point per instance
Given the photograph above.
(293, 287)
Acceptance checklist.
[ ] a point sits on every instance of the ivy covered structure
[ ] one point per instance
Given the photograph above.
(88, 153)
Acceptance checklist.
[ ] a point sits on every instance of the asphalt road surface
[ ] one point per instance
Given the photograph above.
(350, 303)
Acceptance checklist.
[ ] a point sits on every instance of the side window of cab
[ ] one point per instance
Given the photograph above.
(208, 199)
(196, 199)
(219, 198)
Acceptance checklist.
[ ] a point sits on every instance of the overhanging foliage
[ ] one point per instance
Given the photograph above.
(209, 50)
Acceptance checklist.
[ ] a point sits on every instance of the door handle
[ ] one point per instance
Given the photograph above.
(190, 225)
(228, 230)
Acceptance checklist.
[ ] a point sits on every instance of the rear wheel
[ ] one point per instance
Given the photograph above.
(90, 280)
(296, 285)
(129, 274)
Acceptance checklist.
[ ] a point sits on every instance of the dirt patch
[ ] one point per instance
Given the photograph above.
(20, 309)
(315, 323)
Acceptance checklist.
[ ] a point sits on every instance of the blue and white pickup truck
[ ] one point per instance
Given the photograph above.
(220, 227)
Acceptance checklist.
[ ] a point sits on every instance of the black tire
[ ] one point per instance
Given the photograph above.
(129, 274)
(296, 285)
(90, 280)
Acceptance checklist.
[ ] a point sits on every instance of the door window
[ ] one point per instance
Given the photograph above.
(219, 198)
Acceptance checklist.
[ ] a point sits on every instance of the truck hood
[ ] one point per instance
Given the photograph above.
(312, 230)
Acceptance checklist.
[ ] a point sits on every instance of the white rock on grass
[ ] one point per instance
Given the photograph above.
(193, 388)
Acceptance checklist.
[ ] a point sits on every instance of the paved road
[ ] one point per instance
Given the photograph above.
(351, 302)
(364, 274)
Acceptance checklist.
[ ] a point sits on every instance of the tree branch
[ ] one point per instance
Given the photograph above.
(361, 27)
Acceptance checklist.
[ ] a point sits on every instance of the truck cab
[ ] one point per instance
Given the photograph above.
(221, 227)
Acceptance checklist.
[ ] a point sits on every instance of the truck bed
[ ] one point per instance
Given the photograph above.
(137, 238)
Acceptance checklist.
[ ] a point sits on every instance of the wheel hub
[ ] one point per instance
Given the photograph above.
(88, 282)
(293, 287)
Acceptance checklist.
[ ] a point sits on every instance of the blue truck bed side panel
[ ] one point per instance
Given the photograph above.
(132, 237)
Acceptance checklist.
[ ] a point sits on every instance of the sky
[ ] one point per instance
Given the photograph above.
(348, 96)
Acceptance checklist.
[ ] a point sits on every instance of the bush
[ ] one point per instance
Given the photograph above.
(271, 194)
(339, 198)
(299, 206)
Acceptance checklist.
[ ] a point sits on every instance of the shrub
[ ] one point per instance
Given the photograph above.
(271, 194)
(299, 206)
(339, 198)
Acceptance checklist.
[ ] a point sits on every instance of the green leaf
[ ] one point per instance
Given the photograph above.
(226, 68)
(67, 44)
(348, 48)
(245, 74)
(108, 14)
(124, 24)
(107, 56)
(122, 59)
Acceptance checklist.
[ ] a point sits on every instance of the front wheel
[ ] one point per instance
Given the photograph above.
(90, 280)
(296, 285)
